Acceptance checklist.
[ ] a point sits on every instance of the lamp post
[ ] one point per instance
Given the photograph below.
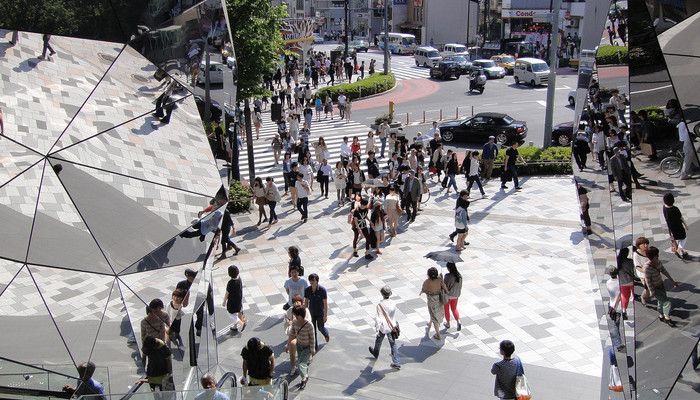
(386, 37)
(552, 81)
(347, 38)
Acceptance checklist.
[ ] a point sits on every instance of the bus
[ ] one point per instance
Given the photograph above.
(399, 43)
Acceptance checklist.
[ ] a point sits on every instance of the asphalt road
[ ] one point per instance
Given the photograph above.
(501, 95)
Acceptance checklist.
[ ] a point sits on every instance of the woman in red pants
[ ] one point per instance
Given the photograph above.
(453, 281)
(625, 270)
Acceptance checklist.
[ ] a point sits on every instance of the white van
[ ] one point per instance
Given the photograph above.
(216, 72)
(426, 56)
(453, 49)
(531, 70)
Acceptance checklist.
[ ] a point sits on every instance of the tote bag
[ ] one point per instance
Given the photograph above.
(522, 389)
(615, 383)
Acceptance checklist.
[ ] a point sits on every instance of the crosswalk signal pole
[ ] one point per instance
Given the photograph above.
(552, 81)
(386, 37)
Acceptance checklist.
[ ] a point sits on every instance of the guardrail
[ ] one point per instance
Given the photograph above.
(428, 116)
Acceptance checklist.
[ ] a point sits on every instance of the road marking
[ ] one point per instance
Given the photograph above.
(542, 103)
(651, 90)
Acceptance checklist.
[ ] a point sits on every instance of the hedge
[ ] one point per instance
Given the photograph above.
(607, 55)
(373, 84)
(661, 128)
(549, 161)
(239, 198)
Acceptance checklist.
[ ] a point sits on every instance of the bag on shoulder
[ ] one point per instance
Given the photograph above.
(319, 176)
(522, 388)
(396, 331)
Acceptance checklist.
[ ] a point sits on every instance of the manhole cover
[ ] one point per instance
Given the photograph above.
(106, 57)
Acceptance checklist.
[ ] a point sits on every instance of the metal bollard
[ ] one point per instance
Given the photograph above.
(406, 118)
(440, 115)
(457, 113)
(423, 116)
(472, 111)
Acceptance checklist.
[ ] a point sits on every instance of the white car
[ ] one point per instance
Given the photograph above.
(491, 70)
(318, 38)
(216, 72)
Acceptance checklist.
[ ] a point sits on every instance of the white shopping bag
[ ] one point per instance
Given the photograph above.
(615, 383)
(522, 389)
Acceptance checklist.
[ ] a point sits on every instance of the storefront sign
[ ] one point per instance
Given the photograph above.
(506, 13)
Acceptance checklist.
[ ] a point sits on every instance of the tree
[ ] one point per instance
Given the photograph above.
(257, 40)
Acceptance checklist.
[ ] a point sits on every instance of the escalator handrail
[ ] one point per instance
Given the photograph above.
(133, 389)
(229, 375)
(34, 392)
(38, 368)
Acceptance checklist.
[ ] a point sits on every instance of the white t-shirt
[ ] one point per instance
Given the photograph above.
(613, 286)
(341, 99)
(683, 135)
(301, 191)
(345, 150)
(639, 260)
(474, 167)
(380, 321)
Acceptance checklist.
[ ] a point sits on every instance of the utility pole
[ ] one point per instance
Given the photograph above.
(386, 37)
(347, 37)
(551, 29)
(486, 15)
(552, 81)
(249, 141)
(469, 15)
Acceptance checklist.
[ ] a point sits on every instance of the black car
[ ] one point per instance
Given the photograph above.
(445, 70)
(464, 65)
(563, 134)
(479, 127)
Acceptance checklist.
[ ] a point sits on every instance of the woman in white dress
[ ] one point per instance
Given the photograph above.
(340, 175)
(392, 209)
(308, 172)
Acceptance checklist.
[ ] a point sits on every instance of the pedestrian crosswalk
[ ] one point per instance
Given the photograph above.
(332, 132)
(406, 71)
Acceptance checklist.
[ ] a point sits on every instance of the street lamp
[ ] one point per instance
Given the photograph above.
(346, 29)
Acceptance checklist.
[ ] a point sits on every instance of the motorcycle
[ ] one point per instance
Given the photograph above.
(477, 81)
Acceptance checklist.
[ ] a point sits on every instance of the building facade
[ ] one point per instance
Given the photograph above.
(531, 19)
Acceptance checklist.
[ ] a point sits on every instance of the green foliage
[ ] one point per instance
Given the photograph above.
(94, 19)
(388, 117)
(661, 128)
(549, 161)
(255, 26)
(239, 198)
(607, 55)
(656, 114)
(374, 84)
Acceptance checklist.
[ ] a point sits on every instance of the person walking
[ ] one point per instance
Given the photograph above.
(291, 344)
(392, 207)
(584, 203)
(653, 269)
(625, 273)
(328, 107)
(257, 122)
(461, 221)
(620, 168)
(156, 323)
(260, 195)
(303, 333)
(294, 261)
(690, 157)
(276, 148)
(377, 224)
(324, 174)
(506, 371)
(452, 170)
(158, 360)
(46, 38)
(340, 176)
(639, 259)
(342, 101)
(613, 286)
(233, 300)
(386, 325)
(272, 194)
(321, 150)
(316, 301)
(302, 195)
(489, 153)
(581, 148)
(258, 363)
(599, 145)
(509, 167)
(175, 313)
(348, 110)
(383, 135)
(432, 287)
(453, 282)
(411, 193)
(619, 101)
(361, 221)
(307, 170)
(294, 286)
(677, 227)
(370, 144)
(473, 173)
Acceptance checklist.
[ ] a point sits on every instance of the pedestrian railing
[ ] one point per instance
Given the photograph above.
(428, 116)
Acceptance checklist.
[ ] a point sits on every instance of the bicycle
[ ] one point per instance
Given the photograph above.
(672, 164)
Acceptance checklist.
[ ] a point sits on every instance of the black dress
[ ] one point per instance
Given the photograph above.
(234, 288)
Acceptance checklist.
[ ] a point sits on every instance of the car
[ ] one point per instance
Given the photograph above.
(464, 65)
(216, 72)
(445, 70)
(491, 70)
(359, 45)
(482, 125)
(351, 50)
(318, 38)
(506, 61)
(572, 98)
(563, 134)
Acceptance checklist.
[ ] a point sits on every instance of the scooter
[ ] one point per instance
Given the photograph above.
(477, 81)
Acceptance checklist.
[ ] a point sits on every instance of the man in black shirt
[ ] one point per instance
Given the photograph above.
(185, 286)
(226, 230)
(316, 300)
(258, 363)
(362, 224)
(372, 165)
(509, 168)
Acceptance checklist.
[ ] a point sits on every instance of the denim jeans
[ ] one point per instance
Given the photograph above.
(303, 206)
(514, 172)
(273, 214)
(303, 360)
(615, 331)
(452, 183)
(392, 344)
(383, 142)
(472, 179)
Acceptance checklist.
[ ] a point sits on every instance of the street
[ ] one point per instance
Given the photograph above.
(501, 95)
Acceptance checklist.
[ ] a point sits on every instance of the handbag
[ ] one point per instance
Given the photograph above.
(443, 297)
(522, 388)
(319, 176)
(395, 330)
(615, 383)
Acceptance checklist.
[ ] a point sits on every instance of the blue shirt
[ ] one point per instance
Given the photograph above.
(89, 387)
(211, 394)
(490, 149)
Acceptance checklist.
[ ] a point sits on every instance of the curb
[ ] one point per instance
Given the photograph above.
(396, 83)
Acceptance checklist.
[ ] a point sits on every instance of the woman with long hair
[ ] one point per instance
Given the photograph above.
(260, 195)
(340, 176)
(321, 148)
(432, 287)
(377, 220)
(453, 282)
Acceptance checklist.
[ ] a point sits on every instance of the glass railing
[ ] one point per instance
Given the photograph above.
(44, 377)
(277, 391)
